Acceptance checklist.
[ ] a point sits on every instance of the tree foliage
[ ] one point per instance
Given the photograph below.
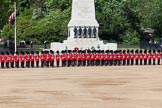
(120, 20)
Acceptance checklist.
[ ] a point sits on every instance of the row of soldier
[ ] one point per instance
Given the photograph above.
(80, 58)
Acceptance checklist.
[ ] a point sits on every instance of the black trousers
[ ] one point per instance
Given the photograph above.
(124, 62)
(88, 62)
(132, 62)
(158, 62)
(32, 64)
(63, 63)
(92, 62)
(2, 64)
(42, 63)
(111, 62)
(12, 64)
(102, 62)
(119, 62)
(79, 62)
(7, 64)
(17, 64)
(149, 61)
(136, 62)
(37, 64)
(84, 63)
(153, 62)
(140, 62)
(128, 62)
(58, 63)
(145, 62)
(22, 64)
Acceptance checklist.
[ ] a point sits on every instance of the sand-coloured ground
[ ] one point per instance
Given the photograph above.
(82, 87)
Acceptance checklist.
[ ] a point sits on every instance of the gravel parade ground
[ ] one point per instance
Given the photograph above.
(82, 87)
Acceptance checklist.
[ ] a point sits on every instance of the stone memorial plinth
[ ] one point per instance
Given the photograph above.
(83, 28)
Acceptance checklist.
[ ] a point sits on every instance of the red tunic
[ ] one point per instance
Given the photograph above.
(118, 56)
(63, 57)
(145, 56)
(141, 56)
(31, 57)
(2, 58)
(110, 56)
(27, 57)
(51, 57)
(36, 57)
(149, 56)
(136, 56)
(158, 56)
(83, 57)
(22, 58)
(101, 56)
(11, 58)
(16, 58)
(7, 58)
(131, 56)
(72, 57)
(127, 56)
(57, 57)
(114, 57)
(106, 56)
(153, 56)
(41, 57)
(96, 56)
(78, 56)
(123, 56)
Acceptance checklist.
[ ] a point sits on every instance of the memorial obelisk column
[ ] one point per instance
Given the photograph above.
(83, 16)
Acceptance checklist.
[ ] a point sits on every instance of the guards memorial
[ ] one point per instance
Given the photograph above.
(83, 29)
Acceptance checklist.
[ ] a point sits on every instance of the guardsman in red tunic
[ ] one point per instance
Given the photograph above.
(132, 57)
(145, 57)
(136, 57)
(2, 59)
(87, 55)
(47, 58)
(106, 58)
(83, 59)
(57, 59)
(123, 57)
(37, 59)
(27, 59)
(102, 57)
(97, 58)
(79, 58)
(73, 58)
(51, 58)
(69, 58)
(32, 59)
(16, 57)
(63, 59)
(7, 59)
(128, 57)
(22, 59)
(66, 57)
(149, 57)
(158, 57)
(153, 57)
(41, 57)
(111, 58)
(91, 58)
(115, 58)
(141, 57)
(119, 57)
(12, 59)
